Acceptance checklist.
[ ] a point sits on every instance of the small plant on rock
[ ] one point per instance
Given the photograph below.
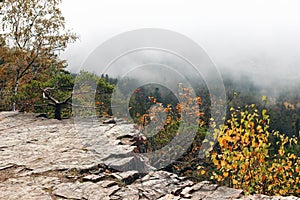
(243, 159)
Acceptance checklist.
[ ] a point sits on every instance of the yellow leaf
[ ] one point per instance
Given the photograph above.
(234, 165)
(270, 187)
(270, 169)
(223, 163)
(282, 192)
(225, 174)
(292, 156)
(281, 152)
(219, 178)
(216, 162)
(234, 182)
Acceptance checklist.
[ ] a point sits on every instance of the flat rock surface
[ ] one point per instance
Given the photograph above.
(50, 159)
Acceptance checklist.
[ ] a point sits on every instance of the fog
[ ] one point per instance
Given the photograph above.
(260, 39)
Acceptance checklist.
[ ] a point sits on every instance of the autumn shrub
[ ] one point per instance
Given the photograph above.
(167, 119)
(243, 160)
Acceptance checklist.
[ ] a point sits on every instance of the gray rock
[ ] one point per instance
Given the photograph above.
(93, 177)
(86, 190)
(169, 197)
(225, 193)
(27, 187)
(127, 177)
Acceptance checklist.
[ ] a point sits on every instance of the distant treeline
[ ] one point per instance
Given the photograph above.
(284, 108)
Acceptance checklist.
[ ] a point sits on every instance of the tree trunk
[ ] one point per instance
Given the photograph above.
(15, 94)
(57, 112)
(57, 104)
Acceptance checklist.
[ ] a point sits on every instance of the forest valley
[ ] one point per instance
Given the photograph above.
(257, 147)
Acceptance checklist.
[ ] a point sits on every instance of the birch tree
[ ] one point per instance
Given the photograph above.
(35, 32)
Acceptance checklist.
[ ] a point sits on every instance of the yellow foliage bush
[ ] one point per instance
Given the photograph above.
(243, 159)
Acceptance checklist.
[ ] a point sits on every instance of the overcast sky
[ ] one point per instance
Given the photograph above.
(250, 35)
